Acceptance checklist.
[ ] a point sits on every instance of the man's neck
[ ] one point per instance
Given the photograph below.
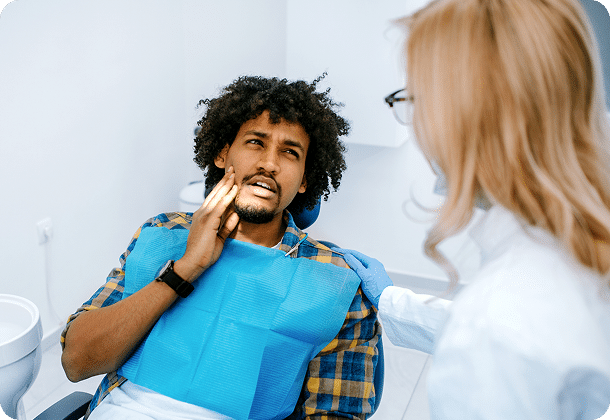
(265, 234)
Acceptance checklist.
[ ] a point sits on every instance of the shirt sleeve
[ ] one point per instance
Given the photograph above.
(112, 291)
(412, 320)
(340, 379)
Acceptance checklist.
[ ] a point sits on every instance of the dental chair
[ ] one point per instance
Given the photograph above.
(71, 407)
(74, 406)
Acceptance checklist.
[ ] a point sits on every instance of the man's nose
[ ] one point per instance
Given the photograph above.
(269, 161)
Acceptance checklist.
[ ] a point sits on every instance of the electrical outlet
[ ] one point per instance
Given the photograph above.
(45, 230)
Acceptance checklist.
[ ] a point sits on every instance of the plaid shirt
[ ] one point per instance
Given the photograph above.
(339, 380)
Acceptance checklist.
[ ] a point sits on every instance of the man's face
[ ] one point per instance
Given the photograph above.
(269, 163)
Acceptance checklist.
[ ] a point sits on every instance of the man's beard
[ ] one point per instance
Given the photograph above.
(251, 214)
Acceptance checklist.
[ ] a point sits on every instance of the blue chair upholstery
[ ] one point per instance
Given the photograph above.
(306, 218)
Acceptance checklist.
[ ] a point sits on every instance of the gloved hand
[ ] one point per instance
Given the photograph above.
(371, 272)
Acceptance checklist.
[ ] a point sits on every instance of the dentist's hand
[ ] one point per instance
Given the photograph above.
(371, 272)
(212, 223)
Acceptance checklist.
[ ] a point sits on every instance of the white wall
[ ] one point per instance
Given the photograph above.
(356, 44)
(375, 212)
(352, 40)
(97, 109)
(97, 106)
(359, 47)
(224, 40)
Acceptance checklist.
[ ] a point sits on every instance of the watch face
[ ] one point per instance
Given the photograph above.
(163, 268)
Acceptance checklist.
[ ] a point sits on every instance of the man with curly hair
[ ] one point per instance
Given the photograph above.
(297, 317)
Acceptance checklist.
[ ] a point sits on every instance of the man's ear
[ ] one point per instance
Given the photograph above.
(303, 186)
(221, 159)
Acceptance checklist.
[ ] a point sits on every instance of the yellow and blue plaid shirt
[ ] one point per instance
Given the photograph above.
(339, 381)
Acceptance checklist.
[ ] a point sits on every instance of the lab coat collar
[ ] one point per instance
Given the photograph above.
(499, 228)
(493, 230)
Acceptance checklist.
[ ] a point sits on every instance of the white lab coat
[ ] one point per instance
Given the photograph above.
(528, 338)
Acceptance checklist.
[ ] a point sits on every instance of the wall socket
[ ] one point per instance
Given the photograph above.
(45, 230)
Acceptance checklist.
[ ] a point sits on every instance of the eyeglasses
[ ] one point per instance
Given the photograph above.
(401, 104)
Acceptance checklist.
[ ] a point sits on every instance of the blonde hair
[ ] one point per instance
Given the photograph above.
(509, 103)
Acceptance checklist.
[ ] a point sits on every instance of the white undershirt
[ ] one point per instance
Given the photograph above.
(134, 402)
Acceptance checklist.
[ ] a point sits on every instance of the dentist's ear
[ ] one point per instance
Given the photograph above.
(221, 160)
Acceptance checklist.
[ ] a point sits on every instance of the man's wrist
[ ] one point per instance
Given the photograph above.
(168, 275)
(186, 271)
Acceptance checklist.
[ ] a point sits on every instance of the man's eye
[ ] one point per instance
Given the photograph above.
(255, 141)
(292, 152)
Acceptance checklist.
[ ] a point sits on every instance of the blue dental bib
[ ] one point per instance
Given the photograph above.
(241, 342)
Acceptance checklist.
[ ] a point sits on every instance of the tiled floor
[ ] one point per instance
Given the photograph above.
(404, 395)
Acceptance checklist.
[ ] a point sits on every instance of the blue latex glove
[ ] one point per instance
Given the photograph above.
(371, 272)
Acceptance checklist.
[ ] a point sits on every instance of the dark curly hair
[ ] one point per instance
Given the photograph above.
(292, 101)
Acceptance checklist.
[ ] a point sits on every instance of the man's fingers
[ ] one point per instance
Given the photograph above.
(220, 189)
(228, 226)
(217, 208)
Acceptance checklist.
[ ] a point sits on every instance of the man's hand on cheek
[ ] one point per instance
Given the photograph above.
(212, 223)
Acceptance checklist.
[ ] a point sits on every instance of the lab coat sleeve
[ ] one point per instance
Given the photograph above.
(483, 373)
(478, 374)
(412, 320)
(585, 391)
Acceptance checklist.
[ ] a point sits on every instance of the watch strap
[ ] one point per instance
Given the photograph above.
(168, 276)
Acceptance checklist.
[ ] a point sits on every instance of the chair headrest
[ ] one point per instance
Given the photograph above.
(306, 218)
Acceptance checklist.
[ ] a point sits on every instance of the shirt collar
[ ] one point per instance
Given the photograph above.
(292, 236)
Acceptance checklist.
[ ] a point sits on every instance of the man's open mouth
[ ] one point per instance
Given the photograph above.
(264, 182)
(263, 185)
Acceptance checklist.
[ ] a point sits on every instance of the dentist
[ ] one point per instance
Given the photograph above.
(508, 103)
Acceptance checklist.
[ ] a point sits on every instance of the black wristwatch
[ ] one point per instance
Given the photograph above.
(173, 280)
